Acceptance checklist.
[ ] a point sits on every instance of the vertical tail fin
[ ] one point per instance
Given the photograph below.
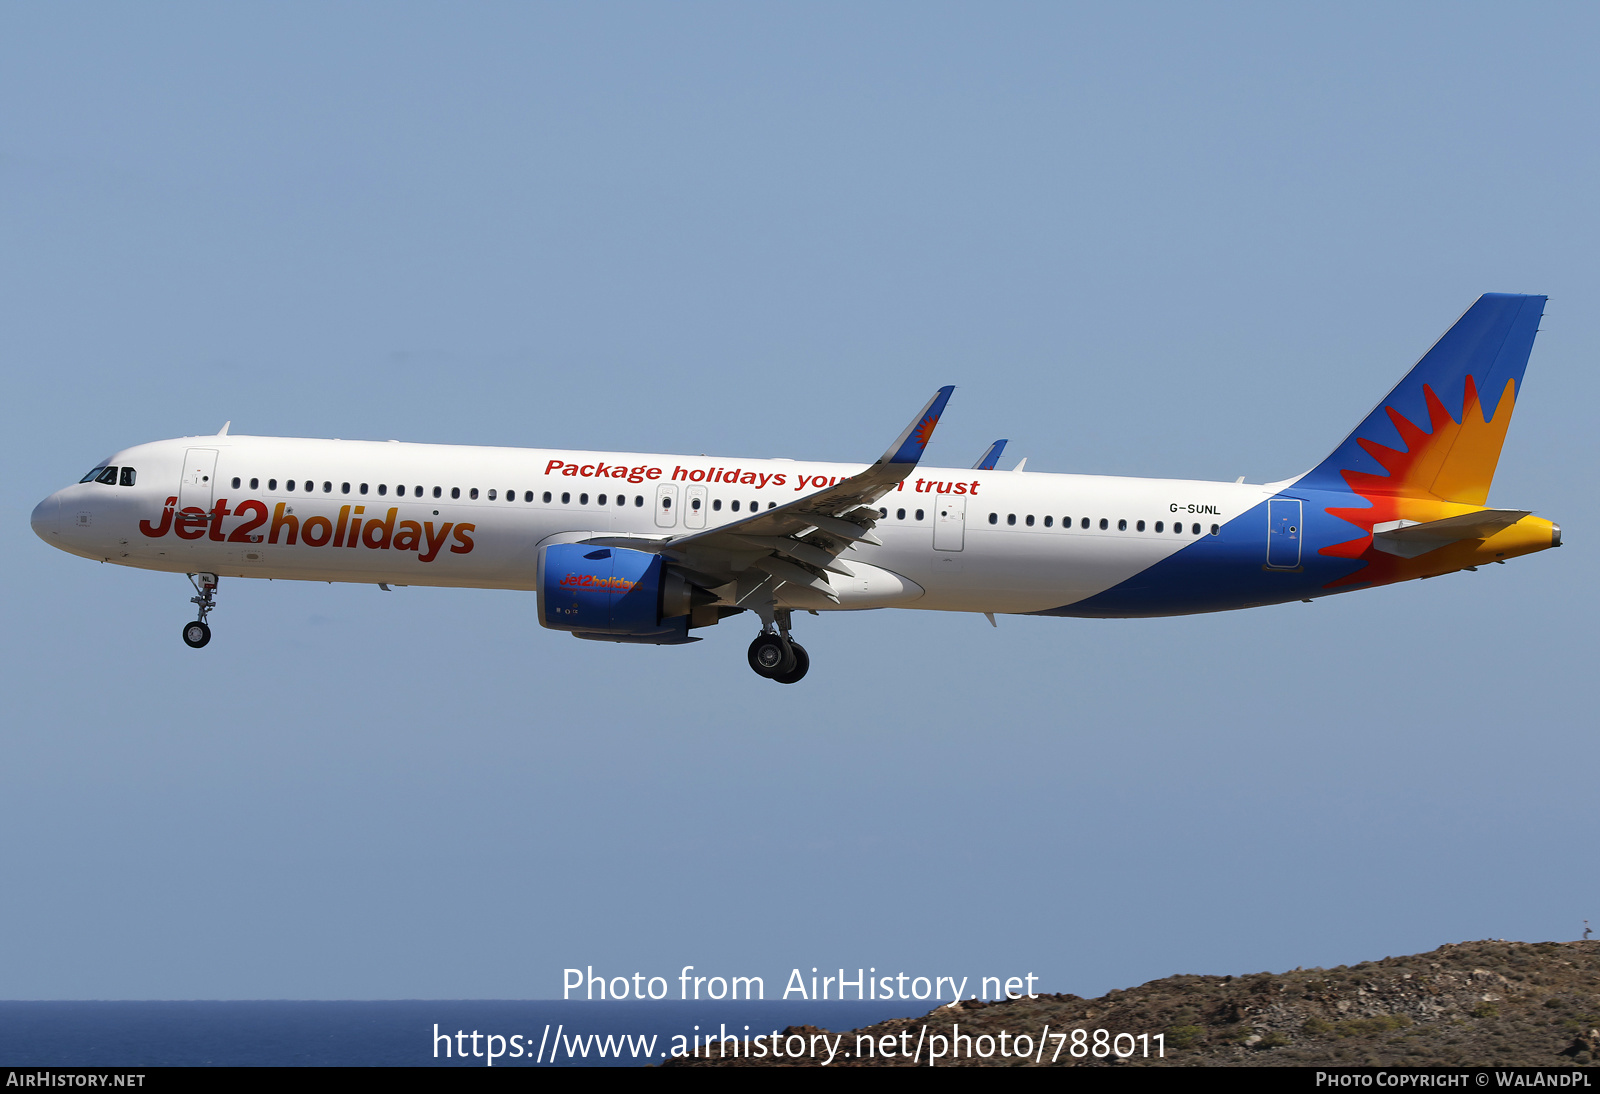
(1439, 432)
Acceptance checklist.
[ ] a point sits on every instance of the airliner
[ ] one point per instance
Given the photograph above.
(633, 547)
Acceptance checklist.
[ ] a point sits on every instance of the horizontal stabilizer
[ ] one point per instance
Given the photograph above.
(1408, 539)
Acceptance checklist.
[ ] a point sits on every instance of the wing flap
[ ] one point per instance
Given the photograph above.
(791, 574)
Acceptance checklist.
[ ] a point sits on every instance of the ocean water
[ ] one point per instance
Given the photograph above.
(395, 1033)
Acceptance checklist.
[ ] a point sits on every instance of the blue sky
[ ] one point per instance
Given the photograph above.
(1175, 240)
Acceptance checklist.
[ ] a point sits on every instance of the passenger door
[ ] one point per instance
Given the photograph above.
(1283, 533)
(199, 471)
(949, 522)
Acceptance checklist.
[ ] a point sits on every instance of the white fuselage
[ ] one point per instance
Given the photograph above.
(952, 539)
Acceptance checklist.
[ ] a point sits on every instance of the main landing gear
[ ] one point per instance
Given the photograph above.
(774, 655)
(198, 633)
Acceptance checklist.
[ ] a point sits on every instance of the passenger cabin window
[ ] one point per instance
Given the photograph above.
(455, 491)
(1161, 526)
(1029, 521)
(492, 495)
(383, 489)
(1047, 521)
(236, 482)
(899, 514)
(1195, 530)
(1216, 529)
(327, 488)
(994, 518)
(1122, 526)
(344, 488)
(363, 488)
(272, 484)
(1011, 518)
(473, 493)
(566, 499)
(734, 506)
(1139, 526)
(438, 491)
(1084, 523)
(716, 505)
(527, 496)
(638, 500)
(919, 514)
(547, 497)
(1104, 524)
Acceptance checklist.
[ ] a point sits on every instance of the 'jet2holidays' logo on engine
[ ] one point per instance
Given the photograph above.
(349, 529)
(591, 581)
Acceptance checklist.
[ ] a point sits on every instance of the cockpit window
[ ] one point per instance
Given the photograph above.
(93, 474)
(108, 476)
(128, 475)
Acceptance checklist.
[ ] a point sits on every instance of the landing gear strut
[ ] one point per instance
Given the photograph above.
(198, 633)
(777, 657)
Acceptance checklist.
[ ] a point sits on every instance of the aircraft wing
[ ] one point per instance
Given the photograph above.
(799, 543)
(1409, 539)
(990, 457)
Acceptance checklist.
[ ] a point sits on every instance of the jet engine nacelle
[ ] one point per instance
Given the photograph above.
(614, 594)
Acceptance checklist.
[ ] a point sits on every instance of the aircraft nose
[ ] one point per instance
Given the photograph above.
(46, 518)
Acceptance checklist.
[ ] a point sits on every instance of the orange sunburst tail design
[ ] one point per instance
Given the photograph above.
(1430, 448)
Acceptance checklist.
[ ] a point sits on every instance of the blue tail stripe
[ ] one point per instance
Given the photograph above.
(1491, 343)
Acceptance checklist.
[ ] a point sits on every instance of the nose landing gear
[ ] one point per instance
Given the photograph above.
(777, 657)
(198, 632)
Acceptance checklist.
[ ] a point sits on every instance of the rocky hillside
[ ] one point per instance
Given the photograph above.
(1473, 1003)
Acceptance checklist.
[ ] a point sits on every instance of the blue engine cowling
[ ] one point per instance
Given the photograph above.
(609, 593)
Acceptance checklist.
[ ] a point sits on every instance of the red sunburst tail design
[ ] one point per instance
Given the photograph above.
(1438, 471)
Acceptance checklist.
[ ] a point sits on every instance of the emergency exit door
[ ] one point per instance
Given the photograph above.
(666, 506)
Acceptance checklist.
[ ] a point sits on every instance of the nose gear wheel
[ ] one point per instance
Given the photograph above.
(198, 633)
